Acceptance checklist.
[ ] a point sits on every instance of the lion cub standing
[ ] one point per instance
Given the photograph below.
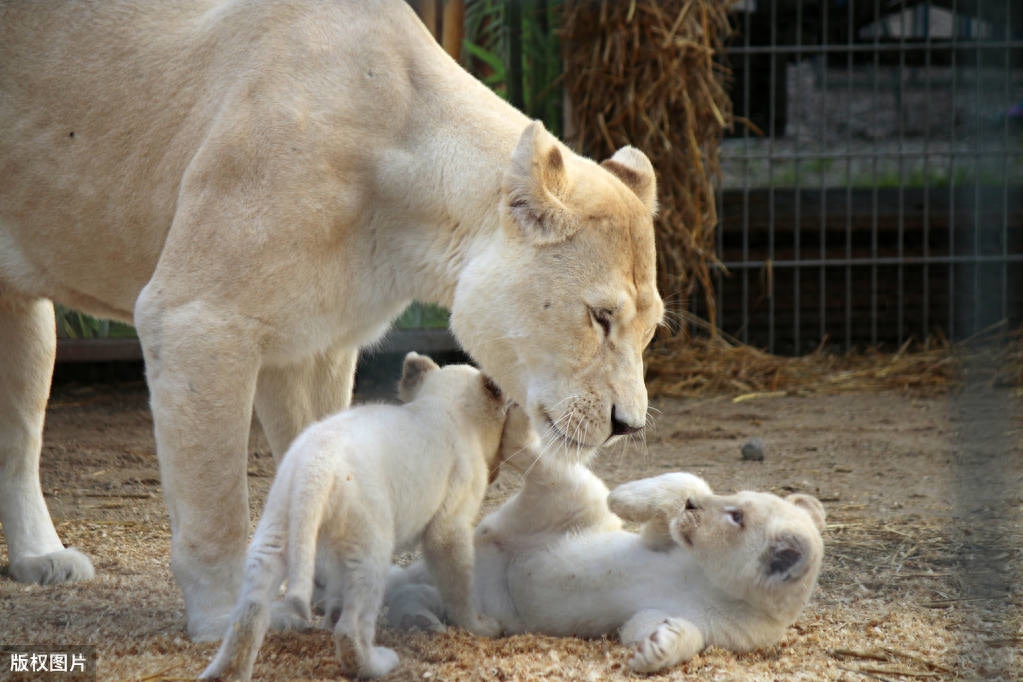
(357, 487)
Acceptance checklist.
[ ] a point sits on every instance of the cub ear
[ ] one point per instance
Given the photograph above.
(783, 554)
(633, 168)
(533, 186)
(662, 495)
(492, 389)
(811, 505)
(413, 371)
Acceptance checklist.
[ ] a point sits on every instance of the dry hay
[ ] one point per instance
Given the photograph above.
(644, 73)
(686, 367)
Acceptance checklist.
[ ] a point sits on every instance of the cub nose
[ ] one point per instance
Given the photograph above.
(620, 428)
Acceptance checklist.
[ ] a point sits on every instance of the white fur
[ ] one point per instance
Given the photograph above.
(690, 578)
(357, 487)
(261, 187)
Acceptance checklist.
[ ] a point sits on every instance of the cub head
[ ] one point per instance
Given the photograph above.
(757, 545)
(475, 396)
(560, 306)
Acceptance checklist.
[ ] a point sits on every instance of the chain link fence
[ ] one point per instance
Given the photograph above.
(872, 191)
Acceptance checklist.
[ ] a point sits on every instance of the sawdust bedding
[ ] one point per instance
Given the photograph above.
(921, 578)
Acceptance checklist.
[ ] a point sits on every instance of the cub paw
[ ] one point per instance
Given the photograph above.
(421, 620)
(654, 652)
(284, 618)
(63, 566)
(379, 662)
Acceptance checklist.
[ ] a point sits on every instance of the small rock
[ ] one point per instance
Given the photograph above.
(753, 450)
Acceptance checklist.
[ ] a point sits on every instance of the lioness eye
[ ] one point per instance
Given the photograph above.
(735, 516)
(602, 316)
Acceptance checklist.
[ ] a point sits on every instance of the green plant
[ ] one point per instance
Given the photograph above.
(72, 324)
(513, 48)
(423, 316)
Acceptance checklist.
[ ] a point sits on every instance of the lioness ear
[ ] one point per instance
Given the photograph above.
(633, 168)
(811, 505)
(413, 371)
(533, 184)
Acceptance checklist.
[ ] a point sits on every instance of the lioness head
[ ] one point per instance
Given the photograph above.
(757, 545)
(560, 307)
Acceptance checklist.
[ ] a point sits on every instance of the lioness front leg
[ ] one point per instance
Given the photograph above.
(201, 365)
(29, 345)
(291, 397)
(449, 553)
(660, 641)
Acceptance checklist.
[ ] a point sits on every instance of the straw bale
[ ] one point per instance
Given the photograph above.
(697, 366)
(645, 73)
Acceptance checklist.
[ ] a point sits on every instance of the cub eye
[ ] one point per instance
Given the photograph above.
(602, 316)
(735, 517)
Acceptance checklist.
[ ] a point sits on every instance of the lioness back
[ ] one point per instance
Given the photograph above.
(95, 152)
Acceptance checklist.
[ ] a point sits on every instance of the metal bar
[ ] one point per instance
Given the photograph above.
(853, 48)
(770, 171)
(952, 179)
(798, 206)
(977, 322)
(880, 260)
(822, 279)
(1005, 171)
(848, 184)
(900, 117)
(745, 181)
(880, 154)
(99, 350)
(873, 169)
(926, 284)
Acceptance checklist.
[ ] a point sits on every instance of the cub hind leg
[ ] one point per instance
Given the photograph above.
(265, 569)
(364, 581)
(29, 345)
(450, 555)
(660, 641)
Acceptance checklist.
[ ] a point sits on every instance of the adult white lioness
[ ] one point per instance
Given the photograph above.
(261, 187)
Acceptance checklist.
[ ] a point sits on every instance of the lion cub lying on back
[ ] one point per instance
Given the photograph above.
(732, 571)
(358, 486)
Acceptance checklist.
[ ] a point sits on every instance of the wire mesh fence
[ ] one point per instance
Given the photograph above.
(873, 189)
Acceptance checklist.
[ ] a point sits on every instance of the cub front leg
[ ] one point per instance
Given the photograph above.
(660, 641)
(654, 501)
(450, 555)
(201, 366)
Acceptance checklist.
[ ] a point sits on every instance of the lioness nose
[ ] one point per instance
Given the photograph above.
(620, 428)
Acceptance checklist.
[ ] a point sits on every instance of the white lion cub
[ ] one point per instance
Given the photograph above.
(732, 571)
(360, 485)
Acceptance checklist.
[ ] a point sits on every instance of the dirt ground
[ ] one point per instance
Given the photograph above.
(922, 574)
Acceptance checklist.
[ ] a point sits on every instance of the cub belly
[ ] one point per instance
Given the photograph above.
(584, 585)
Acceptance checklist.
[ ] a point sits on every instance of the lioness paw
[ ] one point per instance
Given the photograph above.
(484, 626)
(63, 566)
